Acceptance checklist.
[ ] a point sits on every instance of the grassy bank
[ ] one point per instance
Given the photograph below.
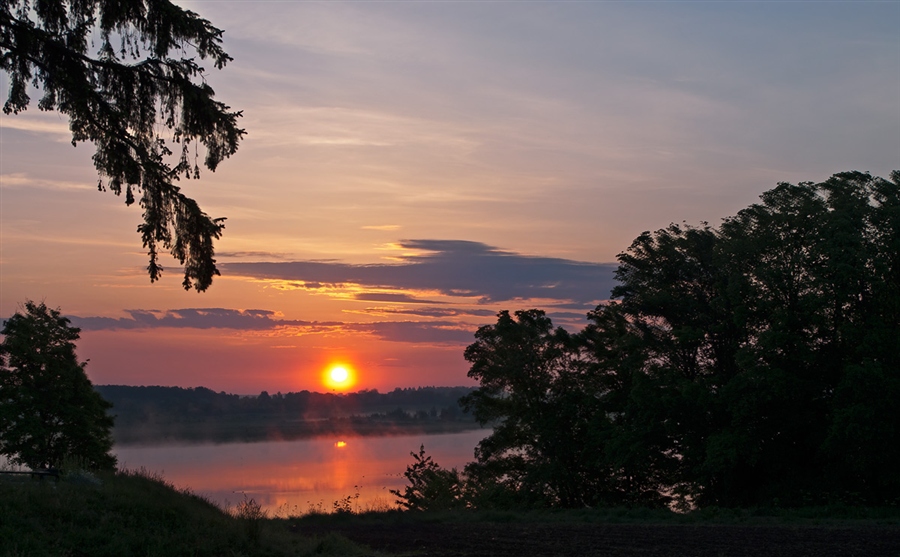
(134, 514)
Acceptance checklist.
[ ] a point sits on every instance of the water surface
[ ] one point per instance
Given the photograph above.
(294, 476)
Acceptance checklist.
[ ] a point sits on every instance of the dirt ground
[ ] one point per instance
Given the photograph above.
(617, 540)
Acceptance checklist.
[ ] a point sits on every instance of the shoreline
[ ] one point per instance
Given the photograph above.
(228, 432)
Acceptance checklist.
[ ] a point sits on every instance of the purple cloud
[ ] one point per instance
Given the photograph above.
(429, 312)
(455, 268)
(433, 332)
(397, 298)
(190, 318)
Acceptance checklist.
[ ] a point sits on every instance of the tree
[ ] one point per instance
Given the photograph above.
(820, 371)
(143, 78)
(49, 411)
(431, 488)
(756, 363)
(547, 410)
(674, 289)
(771, 344)
(567, 432)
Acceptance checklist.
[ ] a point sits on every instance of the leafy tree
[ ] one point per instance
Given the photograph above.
(820, 303)
(431, 487)
(756, 334)
(753, 364)
(563, 415)
(144, 77)
(49, 412)
(632, 429)
(866, 422)
(547, 410)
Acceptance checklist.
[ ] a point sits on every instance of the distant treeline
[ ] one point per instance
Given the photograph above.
(157, 414)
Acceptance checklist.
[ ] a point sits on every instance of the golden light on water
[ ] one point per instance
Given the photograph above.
(340, 444)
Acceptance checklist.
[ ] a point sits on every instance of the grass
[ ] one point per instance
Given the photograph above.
(132, 513)
(836, 516)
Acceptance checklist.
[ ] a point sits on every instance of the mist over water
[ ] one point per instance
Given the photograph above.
(296, 475)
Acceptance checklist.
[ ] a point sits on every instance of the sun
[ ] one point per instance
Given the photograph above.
(339, 377)
(339, 374)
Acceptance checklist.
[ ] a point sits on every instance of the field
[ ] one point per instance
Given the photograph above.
(621, 540)
(566, 535)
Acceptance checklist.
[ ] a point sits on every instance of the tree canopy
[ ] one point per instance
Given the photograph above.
(757, 363)
(49, 411)
(126, 74)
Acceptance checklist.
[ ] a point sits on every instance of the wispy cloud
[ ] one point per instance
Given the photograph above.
(453, 268)
(38, 124)
(190, 318)
(426, 312)
(23, 180)
(434, 332)
(257, 320)
(397, 298)
(252, 254)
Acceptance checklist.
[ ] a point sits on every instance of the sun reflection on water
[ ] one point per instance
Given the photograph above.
(299, 474)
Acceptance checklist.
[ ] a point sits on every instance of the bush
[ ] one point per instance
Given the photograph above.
(431, 487)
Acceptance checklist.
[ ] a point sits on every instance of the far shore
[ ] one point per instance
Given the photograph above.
(235, 431)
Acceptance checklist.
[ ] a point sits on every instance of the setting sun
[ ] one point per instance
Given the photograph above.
(339, 374)
(339, 377)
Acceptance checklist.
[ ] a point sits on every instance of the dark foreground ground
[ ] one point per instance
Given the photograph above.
(616, 540)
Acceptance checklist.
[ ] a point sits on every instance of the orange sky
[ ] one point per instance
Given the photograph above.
(411, 169)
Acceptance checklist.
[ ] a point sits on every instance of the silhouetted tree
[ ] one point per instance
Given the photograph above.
(144, 76)
(746, 365)
(547, 410)
(820, 267)
(431, 488)
(756, 338)
(677, 292)
(49, 412)
(630, 431)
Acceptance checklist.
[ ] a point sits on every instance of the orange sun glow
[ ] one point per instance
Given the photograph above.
(339, 377)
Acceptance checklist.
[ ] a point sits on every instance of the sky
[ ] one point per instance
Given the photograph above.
(413, 167)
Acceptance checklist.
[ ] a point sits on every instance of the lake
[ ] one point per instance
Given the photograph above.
(296, 476)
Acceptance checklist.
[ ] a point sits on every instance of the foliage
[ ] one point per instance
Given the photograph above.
(753, 364)
(49, 411)
(251, 515)
(535, 385)
(431, 487)
(348, 504)
(143, 77)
